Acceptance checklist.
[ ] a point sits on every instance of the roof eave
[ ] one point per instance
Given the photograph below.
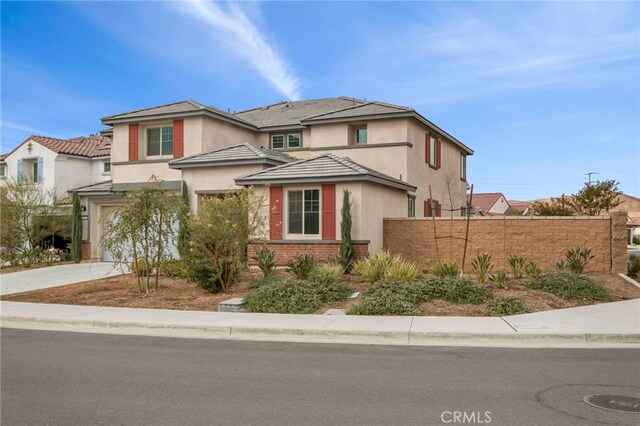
(199, 164)
(113, 120)
(348, 178)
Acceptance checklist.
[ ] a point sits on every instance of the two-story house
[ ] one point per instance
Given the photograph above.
(301, 155)
(58, 165)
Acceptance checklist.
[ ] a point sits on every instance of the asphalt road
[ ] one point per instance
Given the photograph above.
(59, 378)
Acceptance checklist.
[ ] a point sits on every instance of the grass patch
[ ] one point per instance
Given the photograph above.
(570, 286)
(293, 296)
(91, 288)
(506, 306)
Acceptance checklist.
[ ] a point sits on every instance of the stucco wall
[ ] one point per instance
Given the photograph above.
(217, 134)
(71, 173)
(97, 170)
(142, 172)
(540, 239)
(48, 164)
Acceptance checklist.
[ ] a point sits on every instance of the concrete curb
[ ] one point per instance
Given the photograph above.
(413, 338)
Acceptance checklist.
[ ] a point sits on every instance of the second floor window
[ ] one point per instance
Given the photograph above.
(286, 141)
(160, 141)
(361, 135)
(463, 167)
(411, 207)
(3, 170)
(106, 167)
(432, 148)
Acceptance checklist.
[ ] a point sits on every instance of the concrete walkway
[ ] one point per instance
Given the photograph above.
(54, 276)
(614, 324)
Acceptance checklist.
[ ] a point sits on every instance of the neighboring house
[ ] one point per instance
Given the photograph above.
(490, 204)
(306, 151)
(520, 208)
(58, 165)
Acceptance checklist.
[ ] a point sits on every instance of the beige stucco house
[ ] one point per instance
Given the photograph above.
(301, 155)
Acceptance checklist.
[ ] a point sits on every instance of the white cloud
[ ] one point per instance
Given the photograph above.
(246, 41)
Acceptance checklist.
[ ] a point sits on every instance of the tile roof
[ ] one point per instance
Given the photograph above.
(366, 109)
(323, 168)
(486, 200)
(242, 153)
(95, 187)
(91, 146)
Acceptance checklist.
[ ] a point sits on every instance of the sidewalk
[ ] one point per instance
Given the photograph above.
(606, 325)
(54, 276)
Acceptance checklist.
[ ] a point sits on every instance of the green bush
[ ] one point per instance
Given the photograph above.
(139, 268)
(570, 286)
(292, 296)
(383, 264)
(445, 269)
(499, 278)
(200, 270)
(323, 270)
(517, 264)
(532, 271)
(390, 297)
(636, 240)
(577, 259)
(561, 265)
(482, 266)
(301, 265)
(457, 290)
(172, 268)
(506, 306)
(633, 266)
(265, 257)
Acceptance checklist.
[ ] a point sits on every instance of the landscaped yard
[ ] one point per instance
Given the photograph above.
(388, 297)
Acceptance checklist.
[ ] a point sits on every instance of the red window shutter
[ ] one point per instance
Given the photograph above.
(427, 150)
(329, 212)
(178, 138)
(438, 155)
(275, 219)
(133, 142)
(439, 214)
(427, 208)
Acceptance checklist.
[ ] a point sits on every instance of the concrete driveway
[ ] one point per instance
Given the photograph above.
(54, 276)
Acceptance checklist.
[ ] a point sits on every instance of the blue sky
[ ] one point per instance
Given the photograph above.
(543, 92)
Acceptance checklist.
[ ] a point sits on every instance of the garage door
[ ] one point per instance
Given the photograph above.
(172, 249)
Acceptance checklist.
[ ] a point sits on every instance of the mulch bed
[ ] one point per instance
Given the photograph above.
(177, 293)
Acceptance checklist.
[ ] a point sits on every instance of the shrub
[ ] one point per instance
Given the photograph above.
(199, 269)
(265, 257)
(506, 306)
(499, 278)
(139, 268)
(577, 259)
(323, 270)
(633, 266)
(570, 286)
(517, 264)
(636, 240)
(383, 264)
(301, 265)
(49, 257)
(532, 271)
(561, 265)
(482, 266)
(390, 297)
(346, 245)
(292, 296)
(460, 291)
(172, 267)
(445, 269)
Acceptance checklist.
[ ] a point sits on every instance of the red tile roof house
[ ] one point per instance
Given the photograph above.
(490, 204)
(58, 164)
(301, 155)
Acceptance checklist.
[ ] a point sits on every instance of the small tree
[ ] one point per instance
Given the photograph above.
(219, 237)
(183, 230)
(560, 206)
(76, 229)
(139, 233)
(596, 198)
(346, 245)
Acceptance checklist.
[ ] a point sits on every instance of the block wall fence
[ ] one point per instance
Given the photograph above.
(285, 250)
(540, 239)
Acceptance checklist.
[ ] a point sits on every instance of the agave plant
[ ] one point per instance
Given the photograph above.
(482, 266)
(517, 264)
(499, 278)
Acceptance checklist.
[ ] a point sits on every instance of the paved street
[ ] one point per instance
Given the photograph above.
(61, 378)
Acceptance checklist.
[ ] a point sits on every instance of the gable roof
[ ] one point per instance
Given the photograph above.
(91, 146)
(323, 168)
(485, 201)
(174, 110)
(243, 153)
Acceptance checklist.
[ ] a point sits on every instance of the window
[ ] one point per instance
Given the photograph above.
(432, 151)
(3, 170)
(293, 141)
(463, 167)
(411, 206)
(361, 135)
(304, 212)
(106, 167)
(160, 141)
(34, 167)
(432, 208)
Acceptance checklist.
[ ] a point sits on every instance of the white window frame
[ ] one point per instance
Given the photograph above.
(285, 140)
(160, 154)
(463, 167)
(104, 168)
(433, 151)
(411, 206)
(291, 235)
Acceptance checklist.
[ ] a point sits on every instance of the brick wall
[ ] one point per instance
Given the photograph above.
(86, 250)
(285, 250)
(540, 239)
